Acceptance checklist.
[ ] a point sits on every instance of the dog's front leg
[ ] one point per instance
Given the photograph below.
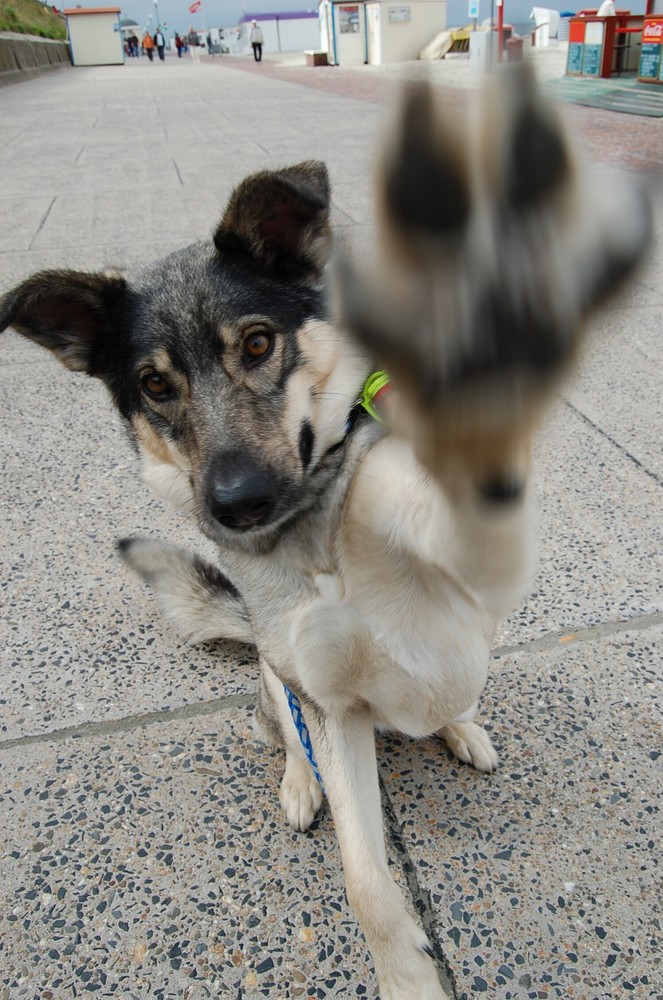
(331, 654)
(344, 745)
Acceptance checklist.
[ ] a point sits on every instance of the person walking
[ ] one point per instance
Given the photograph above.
(160, 42)
(192, 40)
(257, 41)
(179, 45)
(148, 45)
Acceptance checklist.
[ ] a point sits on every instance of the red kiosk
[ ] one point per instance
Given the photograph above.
(603, 46)
(651, 57)
(613, 44)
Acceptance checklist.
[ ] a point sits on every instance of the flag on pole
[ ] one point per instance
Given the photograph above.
(195, 6)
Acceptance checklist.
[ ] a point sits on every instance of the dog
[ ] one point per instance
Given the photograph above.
(366, 549)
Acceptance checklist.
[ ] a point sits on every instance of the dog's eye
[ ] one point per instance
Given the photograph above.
(155, 385)
(257, 346)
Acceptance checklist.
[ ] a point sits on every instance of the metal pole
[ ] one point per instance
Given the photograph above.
(500, 29)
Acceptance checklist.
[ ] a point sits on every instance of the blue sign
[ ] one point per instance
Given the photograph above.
(472, 9)
(591, 60)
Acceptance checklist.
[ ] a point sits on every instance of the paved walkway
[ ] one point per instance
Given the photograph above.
(143, 850)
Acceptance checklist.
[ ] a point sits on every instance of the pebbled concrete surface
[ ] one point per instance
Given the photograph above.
(143, 850)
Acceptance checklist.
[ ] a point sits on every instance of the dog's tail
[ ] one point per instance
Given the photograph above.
(201, 602)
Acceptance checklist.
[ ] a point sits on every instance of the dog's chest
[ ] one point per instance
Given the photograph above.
(341, 609)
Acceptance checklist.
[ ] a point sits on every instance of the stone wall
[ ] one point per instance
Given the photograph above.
(23, 56)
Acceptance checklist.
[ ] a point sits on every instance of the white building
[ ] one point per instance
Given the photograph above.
(378, 31)
(95, 36)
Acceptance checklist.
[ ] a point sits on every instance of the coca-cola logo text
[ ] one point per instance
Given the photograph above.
(653, 32)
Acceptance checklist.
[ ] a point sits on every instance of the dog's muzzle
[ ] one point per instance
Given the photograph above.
(240, 494)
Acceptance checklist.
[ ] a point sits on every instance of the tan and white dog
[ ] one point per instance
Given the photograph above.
(368, 562)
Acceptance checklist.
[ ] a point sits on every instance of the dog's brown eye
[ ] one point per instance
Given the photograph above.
(257, 346)
(155, 385)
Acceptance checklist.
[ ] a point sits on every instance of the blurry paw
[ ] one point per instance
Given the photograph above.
(493, 248)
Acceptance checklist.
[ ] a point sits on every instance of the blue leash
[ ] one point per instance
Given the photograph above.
(295, 706)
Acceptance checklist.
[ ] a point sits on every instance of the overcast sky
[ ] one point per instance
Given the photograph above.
(217, 13)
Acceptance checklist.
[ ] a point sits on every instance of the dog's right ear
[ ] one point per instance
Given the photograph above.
(281, 219)
(73, 314)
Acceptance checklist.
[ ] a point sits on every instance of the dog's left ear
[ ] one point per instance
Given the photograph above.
(75, 315)
(281, 218)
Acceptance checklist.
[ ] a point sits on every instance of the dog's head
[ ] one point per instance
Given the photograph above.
(221, 357)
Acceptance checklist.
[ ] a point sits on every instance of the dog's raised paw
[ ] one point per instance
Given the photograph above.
(494, 247)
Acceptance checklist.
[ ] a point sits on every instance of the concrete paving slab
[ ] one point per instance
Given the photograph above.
(94, 169)
(8, 136)
(21, 221)
(544, 875)
(63, 153)
(30, 180)
(102, 214)
(621, 365)
(155, 863)
(596, 563)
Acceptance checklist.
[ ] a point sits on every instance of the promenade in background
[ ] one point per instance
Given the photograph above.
(144, 853)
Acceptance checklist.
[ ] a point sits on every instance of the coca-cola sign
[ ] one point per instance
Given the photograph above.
(652, 33)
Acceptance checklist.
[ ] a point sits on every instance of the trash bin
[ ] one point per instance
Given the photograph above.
(514, 49)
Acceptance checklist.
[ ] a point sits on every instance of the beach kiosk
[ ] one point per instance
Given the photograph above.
(651, 57)
(604, 45)
(378, 32)
(95, 36)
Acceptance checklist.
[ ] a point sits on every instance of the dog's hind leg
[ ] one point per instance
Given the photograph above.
(300, 793)
(201, 602)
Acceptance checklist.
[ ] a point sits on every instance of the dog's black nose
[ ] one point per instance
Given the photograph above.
(240, 496)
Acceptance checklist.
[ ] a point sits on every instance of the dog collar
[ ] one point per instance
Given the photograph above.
(373, 396)
(371, 400)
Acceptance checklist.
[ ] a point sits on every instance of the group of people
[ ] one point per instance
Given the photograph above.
(190, 42)
(156, 41)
